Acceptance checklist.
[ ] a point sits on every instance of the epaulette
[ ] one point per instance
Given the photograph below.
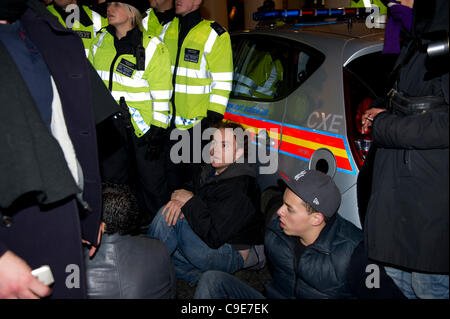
(218, 28)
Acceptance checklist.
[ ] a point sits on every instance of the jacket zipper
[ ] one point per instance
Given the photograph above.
(296, 262)
(174, 80)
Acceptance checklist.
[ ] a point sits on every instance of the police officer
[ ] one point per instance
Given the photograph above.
(202, 60)
(262, 77)
(86, 24)
(159, 16)
(136, 68)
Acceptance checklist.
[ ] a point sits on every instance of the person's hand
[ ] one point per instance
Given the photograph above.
(16, 280)
(368, 116)
(173, 211)
(182, 195)
(99, 239)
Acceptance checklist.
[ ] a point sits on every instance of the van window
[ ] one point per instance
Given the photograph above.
(269, 68)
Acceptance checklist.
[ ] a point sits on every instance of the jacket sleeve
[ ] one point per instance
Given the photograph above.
(103, 102)
(3, 249)
(425, 131)
(220, 62)
(216, 222)
(159, 77)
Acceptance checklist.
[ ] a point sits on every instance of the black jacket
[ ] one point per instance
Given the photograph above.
(322, 270)
(43, 233)
(407, 218)
(225, 208)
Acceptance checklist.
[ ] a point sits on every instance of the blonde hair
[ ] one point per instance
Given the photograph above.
(137, 21)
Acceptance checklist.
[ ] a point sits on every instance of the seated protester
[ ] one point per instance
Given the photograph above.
(215, 222)
(126, 266)
(315, 253)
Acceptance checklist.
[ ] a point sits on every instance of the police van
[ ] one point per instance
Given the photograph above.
(301, 88)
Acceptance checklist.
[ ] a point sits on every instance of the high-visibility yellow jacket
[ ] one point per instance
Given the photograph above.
(151, 23)
(261, 78)
(204, 70)
(87, 33)
(379, 3)
(147, 93)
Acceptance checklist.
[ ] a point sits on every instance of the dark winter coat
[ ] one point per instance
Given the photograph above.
(225, 208)
(407, 217)
(322, 270)
(51, 234)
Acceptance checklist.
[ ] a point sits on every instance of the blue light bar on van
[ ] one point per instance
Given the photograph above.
(298, 13)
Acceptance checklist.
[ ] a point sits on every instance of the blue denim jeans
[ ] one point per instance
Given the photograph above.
(190, 255)
(220, 285)
(420, 285)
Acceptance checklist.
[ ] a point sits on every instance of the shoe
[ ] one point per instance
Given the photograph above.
(256, 259)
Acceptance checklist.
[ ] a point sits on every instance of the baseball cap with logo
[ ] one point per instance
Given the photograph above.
(317, 189)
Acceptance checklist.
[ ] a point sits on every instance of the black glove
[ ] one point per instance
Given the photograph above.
(154, 139)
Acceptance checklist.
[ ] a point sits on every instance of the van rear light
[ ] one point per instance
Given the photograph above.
(360, 143)
(356, 103)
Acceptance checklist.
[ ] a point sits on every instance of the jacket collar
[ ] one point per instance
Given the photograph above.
(130, 41)
(322, 244)
(234, 170)
(190, 20)
(165, 16)
(39, 11)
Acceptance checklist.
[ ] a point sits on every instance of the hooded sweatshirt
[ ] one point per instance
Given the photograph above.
(225, 207)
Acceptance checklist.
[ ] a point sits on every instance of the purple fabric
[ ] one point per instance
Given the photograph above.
(400, 16)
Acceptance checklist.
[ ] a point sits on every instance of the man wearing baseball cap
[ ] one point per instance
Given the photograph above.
(315, 253)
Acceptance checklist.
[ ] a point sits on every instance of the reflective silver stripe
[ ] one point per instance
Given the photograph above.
(150, 50)
(139, 74)
(86, 51)
(226, 86)
(145, 20)
(193, 89)
(272, 78)
(161, 106)
(97, 21)
(218, 99)
(191, 73)
(265, 91)
(243, 90)
(123, 80)
(138, 119)
(222, 76)
(161, 118)
(210, 42)
(99, 43)
(161, 94)
(245, 80)
(131, 97)
(172, 69)
(163, 32)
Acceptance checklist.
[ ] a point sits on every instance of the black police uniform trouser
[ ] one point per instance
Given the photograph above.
(122, 161)
(184, 172)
